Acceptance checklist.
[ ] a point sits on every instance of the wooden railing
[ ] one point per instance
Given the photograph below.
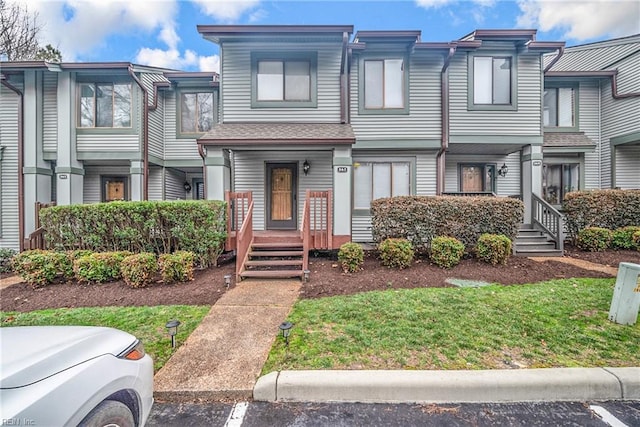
(244, 240)
(35, 240)
(237, 208)
(319, 223)
(305, 232)
(549, 219)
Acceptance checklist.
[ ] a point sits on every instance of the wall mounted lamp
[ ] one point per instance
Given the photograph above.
(187, 186)
(503, 170)
(306, 167)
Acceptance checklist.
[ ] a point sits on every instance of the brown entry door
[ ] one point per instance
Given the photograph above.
(281, 205)
(472, 179)
(114, 188)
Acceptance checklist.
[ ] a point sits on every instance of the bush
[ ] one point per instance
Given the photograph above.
(446, 252)
(139, 270)
(67, 264)
(5, 259)
(198, 226)
(493, 248)
(421, 218)
(176, 267)
(636, 239)
(622, 238)
(594, 239)
(99, 267)
(39, 268)
(611, 209)
(351, 257)
(396, 253)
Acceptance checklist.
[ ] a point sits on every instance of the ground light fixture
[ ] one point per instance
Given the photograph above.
(285, 327)
(172, 328)
(227, 280)
(306, 167)
(306, 275)
(503, 170)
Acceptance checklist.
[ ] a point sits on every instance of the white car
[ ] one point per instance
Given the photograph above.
(73, 375)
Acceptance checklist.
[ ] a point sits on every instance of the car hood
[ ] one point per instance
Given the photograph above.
(31, 353)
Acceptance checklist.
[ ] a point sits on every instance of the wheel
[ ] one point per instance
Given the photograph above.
(109, 413)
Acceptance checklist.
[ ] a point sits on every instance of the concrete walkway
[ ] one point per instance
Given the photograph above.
(9, 281)
(587, 265)
(223, 356)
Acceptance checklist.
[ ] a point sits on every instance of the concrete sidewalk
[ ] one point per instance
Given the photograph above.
(510, 385)
(223, 356)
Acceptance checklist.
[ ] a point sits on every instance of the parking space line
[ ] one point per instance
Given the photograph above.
(607, 416)
(236, 417)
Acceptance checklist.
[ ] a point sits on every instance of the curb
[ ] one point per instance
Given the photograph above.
(525, 385)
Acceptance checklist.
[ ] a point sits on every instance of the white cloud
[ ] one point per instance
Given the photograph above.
(434, 4)
(226, 10)
(209, 63)
(582, 20)
(477, 10)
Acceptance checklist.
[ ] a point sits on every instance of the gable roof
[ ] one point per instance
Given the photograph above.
(596, 56)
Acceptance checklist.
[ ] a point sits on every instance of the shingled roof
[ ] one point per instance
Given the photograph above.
(261, 134)
(567, 140)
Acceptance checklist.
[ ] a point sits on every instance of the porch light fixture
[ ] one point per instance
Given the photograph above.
(227, 280)
(172, 328)
(285, 327)
(503, 170)
(306, 167)
(306, 274)
(187, 186)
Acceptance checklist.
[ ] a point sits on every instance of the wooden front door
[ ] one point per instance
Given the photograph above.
(472, 179)
(115, 188)
(282, 187)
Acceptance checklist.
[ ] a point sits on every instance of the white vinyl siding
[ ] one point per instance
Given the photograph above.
(628, 167)
(523, 121)
(50, 113)
(249, 175)
(9, 168)
(505, 186)
(423, 120)
(236, 84)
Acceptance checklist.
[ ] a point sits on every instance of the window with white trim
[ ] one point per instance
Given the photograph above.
(492, 80)
(105, 105)
(374, 180)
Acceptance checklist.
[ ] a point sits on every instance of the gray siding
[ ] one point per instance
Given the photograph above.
(156, 125)
(236, 84)
(174, 184)
(627, 167)
(423, 120)
(50, 112)
(589, 120)
(176, 148)
(524, 121)
(505, 186)
(156, 186)
(108, 142)
(9, 169)
(92, 181)
(424, 185)
(249, 175)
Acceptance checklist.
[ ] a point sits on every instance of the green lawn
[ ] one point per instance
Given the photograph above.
(552, 324)
(146, 323)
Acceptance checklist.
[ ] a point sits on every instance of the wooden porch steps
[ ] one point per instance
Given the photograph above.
(531, 242)
(276, 255)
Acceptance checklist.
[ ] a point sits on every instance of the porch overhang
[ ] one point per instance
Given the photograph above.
(230, 135)
(493, 145)
(567, 142)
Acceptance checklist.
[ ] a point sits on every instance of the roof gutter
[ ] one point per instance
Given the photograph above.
(17, 91)
(145, 133)
(444, 115)
(614, 89)
(344, 115)
(554, 60)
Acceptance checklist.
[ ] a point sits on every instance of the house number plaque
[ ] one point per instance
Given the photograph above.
(342, 169)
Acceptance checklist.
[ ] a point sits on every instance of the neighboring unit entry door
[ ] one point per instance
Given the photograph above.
(282, 186)
(114, 189)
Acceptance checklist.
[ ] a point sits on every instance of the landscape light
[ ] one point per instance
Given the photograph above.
(285, 327)
(172, 328)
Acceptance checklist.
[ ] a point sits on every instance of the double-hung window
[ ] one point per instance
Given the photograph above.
(105, 105)
(559, 107)
(284, 81)
(196, 112)
(493, 82)
(374, 180)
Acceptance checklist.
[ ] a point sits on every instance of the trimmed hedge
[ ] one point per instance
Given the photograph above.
(139, 270)
(494, 248)
(396, 253)
(159, 227)
(446, 252)
(610, 209)
(594, 239)
(421, 218)
(5, 259)
(623, 237)
(40, 268)
(100, 267)
(176, 267)
(351, 257)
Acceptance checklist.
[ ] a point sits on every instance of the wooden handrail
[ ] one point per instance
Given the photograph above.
(305, 230)
(244, 240)
(549, 219)
(35, 240)
(237, 207)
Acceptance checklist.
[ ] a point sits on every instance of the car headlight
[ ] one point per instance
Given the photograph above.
(135, 352)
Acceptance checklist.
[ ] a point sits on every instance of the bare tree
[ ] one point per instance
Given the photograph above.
(18, 32)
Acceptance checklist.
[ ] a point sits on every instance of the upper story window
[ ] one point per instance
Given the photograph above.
(284, 80)
(196, 112)
(377, 179)
(492, 82)
(384, 85)
(559, 107)
(105, 105)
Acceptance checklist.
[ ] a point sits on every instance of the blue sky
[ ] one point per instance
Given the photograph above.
(163, 32)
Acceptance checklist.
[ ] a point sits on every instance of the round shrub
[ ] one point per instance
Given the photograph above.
(176, 267)
(139, 270)
(39, 268)
(351, 257)
(493, 248)
(397, 253)
(446, 252)
(6, 255)
(594, 239)
(100, 266)
(622, 238)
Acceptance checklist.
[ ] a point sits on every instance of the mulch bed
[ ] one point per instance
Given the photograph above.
(327, 279)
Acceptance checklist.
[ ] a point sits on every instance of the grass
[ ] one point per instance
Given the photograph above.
(560, 323)
(146, 323)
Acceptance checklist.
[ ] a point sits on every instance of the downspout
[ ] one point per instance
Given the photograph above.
(5, 83)
(343, 82)
(614, 89)
(145, 134)
(444, 115)
(554, 60)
